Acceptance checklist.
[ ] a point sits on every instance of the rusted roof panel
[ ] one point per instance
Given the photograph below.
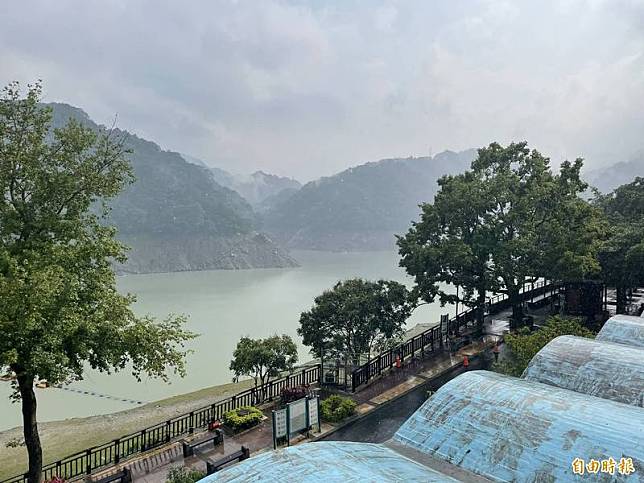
(510, 429)
(602, 369)
(623, 329)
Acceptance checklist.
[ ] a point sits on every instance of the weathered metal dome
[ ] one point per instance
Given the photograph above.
(330, 462)
(510, 429)
(603, 369)
(623, 329)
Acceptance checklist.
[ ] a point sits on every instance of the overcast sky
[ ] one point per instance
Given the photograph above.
(307, 88)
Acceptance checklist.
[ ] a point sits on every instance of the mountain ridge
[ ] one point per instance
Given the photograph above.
(362, 207)
(176, 217)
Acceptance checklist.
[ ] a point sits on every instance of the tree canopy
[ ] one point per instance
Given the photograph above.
(507, 221)
(262, 359)
(448, 244)
(622, 254)
(355, 316)
(61, 311)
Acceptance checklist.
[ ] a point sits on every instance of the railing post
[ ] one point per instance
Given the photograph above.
(167, 431)
(88, 462)
(117, 451)
(142, 440)
(192, 423)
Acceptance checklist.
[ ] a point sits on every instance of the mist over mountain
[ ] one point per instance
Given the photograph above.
(361, 208)
(260, 189)
(176, 217)
(608, 178)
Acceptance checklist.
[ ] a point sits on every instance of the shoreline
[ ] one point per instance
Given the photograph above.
(65, 437)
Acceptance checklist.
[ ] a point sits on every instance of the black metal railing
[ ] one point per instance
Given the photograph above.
(100, 457)
(435, 337)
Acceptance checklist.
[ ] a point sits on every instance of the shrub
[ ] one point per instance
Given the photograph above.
(290, 394)
(336, 408)
(242, 418)
(524, 345)
(181, 474)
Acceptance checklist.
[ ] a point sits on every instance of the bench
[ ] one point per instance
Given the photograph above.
(241, 455)
(217, 437)
(124, 476)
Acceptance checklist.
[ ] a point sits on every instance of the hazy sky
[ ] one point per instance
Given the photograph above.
(307, 88)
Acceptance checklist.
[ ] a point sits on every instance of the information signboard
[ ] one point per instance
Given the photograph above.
(297, 416)
(314, 412)
(280, 425)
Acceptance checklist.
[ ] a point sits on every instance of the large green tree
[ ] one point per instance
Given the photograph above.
(537, 224)
(61, 311)
(622, 254)
(354, 317)
(506, 222)
(262, 359)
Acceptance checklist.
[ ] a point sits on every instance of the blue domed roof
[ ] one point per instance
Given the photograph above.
(510, 429)
(602, 369)
(329, 462)
(623, 329)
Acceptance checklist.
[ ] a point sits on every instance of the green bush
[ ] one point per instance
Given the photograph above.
(181, 474)
(242, 418)
(336, 408)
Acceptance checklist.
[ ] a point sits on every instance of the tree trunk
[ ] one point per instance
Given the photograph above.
(30, 426)
(621, 297)
(517, 308)
(480, 311)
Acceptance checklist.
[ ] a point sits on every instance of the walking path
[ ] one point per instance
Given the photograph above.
(154, 468)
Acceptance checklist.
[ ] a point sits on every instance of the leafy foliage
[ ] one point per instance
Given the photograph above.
(354, 316)
(182, 474)
(290, 394)
(448, 245)
(263, 359)
(622, 255)
(524, 345)
(242, 418)
(61, 311)
(506, 222)
(335, 408)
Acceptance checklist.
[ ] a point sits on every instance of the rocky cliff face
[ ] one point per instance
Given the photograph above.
(254, 250)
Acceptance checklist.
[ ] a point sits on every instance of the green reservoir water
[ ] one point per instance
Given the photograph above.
(222, 306)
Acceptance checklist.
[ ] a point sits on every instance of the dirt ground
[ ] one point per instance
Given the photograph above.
(63, 438)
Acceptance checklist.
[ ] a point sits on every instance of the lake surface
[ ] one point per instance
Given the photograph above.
(222, 306)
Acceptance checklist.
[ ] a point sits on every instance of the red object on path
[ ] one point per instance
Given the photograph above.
(466, 362)
(214, 425)
(398, 362)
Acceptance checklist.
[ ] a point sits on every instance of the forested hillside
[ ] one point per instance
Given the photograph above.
(175, 216)
(363, 207)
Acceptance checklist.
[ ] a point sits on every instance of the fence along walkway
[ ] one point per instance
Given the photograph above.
(434, 337)
(100, 457)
